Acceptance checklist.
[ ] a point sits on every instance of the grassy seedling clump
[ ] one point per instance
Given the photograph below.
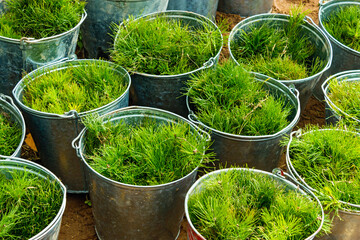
(161, 46)
(329, 162)
(246, 205)
(147, 153)
(81, 87)
(28, 203)
(344, 26)
(39, 18)
(229, 99)
(346, 96)
(283, 53)
(10, 134)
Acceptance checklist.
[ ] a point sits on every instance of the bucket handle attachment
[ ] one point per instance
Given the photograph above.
(196, 122)
(75, 143)
(294, 90)
(7, 98)
(209, 63)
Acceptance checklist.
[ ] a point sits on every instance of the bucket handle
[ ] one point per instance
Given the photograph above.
(75, 143)
(208, 64)
(280, 173)
(7, 98)
(294, 90)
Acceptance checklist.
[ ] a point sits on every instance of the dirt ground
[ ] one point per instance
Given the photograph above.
(78, 222)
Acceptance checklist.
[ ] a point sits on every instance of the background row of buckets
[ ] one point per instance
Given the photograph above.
(54, 133)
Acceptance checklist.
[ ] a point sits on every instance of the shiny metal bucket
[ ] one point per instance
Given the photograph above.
(345, 58)
(261, 152)
(96, 30)
(278, 175)
(206, 8)
(25, 54)
(333, 113)
(124, 211)
(50, 232)
(347, 226)
(245, 8)
(53, 133)
(309, 28)
(165, 91)
(7, 105)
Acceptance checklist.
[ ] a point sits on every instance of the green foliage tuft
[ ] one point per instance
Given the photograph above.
(229, 99)
(10, 134)
(164, 47)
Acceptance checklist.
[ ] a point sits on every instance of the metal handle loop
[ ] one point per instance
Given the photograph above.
(294, 90)
(75, 143)
(7, 98)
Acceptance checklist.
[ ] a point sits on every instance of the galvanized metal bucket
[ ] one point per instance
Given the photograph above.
(25, 54)
(53, 133)
(96, 30)
(261, 152)
(346, 226)
(278, 176)
(245, 8)
(206, 8)
(165, 91)
(7, 105)
(124, 211)
(52, 230)
(345, 58)
(334, 113)
(310, 29)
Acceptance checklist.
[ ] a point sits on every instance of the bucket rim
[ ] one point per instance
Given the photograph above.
(7, 100)
(209, 175)
(80, 149)
(211, 61)
(323, 7)
(295, 174)
(308, 22)
(340, 77)
(42, 171)
(238, 137)
(19, 88)
(41, 40)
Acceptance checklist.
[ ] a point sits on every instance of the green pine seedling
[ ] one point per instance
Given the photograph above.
(161, 46)
(39, 18)
(28, 203)
(81, 87)
(10, 134)
(229, 99)
(279, 52)
(329, 162)
(147, 153)
(344, 26)
(246, 205)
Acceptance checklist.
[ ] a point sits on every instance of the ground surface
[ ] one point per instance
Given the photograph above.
(78, 223)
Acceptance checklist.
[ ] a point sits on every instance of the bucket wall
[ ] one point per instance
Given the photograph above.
(245, 8)
(96, 30)
(53, 133)
(345, 58)
(206, 8)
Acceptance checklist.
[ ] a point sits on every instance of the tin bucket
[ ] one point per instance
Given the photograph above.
(26, 54)
(261, 152)
(310, 29)
(334, 113)
(96, 30)
(7, 105)
(343, 227)
(278, 175)
(206, 8)
(124, 211)
(53, 133)
(345, 58)
(165, 91)
(52, 230)
(245, 8)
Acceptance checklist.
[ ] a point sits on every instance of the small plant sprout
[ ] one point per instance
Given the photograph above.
(161, 46)
(238, 204)
(344, 26)
(82, 87)
(329, 162)
(10, 134)
(283, 53)
(39, 18)
(229, 99)
(28, 203)
(146, 153)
